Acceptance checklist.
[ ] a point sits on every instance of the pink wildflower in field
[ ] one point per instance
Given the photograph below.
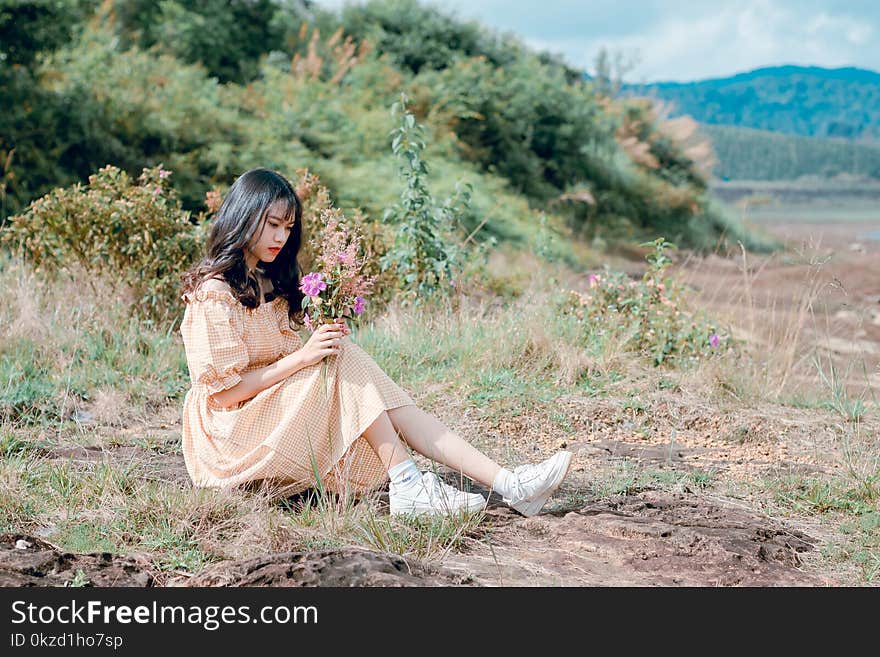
(313, 284)
(594, 280)
(714, 340)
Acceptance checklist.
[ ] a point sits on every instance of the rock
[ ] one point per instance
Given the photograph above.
(331, 567)
(30, 561)
(650, 538)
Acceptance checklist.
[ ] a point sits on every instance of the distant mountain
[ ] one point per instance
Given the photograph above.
(800, 100)
(749, 154)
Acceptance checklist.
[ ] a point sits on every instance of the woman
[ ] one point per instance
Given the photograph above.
(258, 409)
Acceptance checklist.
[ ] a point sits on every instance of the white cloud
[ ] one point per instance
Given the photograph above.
(738, 37)
(687, 40)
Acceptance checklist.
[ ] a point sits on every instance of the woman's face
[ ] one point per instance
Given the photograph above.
(268, 240)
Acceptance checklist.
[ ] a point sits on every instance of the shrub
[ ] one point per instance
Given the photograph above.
(132, 234)
(426, 254)
(648, 316)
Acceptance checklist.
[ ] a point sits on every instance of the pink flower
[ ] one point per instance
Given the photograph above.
(313, 284)
(714, 340)
(342, 256)
(594, 280)
(308, 322)
(164, 173)
(359, 304)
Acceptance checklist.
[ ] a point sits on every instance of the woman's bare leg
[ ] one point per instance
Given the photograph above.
(430, 437)
(382, 437)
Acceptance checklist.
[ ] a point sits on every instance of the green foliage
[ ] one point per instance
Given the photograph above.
(747, 154)
(30, 27)
(32, 117)
(134, 235)
(426, 255)
(524, 122)
(649, 316)
(418, 37)
(226, 36)
(139, 109)
(521, 128)
(808, 101)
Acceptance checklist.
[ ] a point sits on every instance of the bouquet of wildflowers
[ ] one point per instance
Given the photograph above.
(336, 287)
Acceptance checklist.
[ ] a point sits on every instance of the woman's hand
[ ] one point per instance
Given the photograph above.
(325, 341)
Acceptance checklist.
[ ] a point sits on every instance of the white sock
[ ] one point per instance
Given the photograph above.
(505, 483)
(404, 474)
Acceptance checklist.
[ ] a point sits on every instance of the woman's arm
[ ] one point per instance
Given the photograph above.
(259, 379)
(322, 343)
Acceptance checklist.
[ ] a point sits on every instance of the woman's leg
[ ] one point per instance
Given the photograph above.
(382, 437)
(430, 437)
(526, 489)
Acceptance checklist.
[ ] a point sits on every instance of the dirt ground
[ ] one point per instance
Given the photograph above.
(680, 535)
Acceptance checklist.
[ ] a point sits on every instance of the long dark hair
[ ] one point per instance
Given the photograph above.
(240, 217)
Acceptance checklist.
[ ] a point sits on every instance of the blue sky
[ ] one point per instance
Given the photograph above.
(681, 40)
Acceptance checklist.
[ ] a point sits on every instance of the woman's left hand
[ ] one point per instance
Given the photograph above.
(345, 329)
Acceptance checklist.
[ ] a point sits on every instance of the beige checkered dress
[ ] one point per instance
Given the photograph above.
(290, 430)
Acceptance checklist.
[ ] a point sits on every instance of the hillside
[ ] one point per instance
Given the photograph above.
(808, 101)
(298, 88)
(749, 154)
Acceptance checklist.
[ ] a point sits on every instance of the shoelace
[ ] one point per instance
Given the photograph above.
(437, 488)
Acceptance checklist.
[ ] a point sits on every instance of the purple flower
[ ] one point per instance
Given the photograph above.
(308, 322)
(359, 304)
(714, 340)
(313, 284)
(342, 256)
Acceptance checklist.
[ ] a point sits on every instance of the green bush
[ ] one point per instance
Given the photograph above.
(649, 316)
(132, 234)
(226, 36)
(418, 37)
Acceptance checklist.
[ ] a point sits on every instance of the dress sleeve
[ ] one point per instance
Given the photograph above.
(212, 332)
(290, 339)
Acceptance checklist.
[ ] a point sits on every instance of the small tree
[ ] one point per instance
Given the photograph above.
(427, 254)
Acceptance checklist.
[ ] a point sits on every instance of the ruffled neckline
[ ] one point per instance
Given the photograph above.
(225, 296)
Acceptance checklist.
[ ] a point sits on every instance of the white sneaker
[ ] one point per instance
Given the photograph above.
(537, 482)
(430, 496)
